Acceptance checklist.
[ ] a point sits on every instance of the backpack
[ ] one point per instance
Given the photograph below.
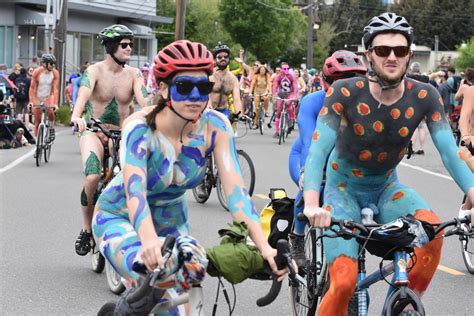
(21, 93)
(455, 86)
(276, 218)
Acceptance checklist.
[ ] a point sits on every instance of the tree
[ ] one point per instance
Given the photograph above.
(452, 21)
(466, 55)
(270, 34)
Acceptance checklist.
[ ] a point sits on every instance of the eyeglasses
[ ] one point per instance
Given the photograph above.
(220, 57)
(285, 68)
(384, 51)
(124, 45)
(185, 87)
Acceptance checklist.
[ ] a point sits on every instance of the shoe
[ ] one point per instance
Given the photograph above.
(267, 115)
(297, 249)
(52, 135)
(254, 126)
(420, 152)
(290, 129)
(269, 125)
(142, 306)
(276, 135)
(84, 243)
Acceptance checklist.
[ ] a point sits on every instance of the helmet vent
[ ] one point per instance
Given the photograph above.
(182, 51)
(191, 50)
(170, 53)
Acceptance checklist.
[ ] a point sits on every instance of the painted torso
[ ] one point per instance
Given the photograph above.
(261, 83)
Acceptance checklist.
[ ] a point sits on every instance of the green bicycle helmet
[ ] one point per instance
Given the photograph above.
(220, 47)
(114, 33)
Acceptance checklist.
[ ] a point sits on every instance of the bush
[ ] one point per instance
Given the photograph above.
(63, 115)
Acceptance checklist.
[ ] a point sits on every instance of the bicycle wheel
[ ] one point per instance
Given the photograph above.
(281, 137)
(203, 190)
(97, 260)
(261, 120)
(114, 280)
(401, 298)
(248, 175)
(39, 145)
(467, 248)
(241, 129)
(305, 299)
(47, 147)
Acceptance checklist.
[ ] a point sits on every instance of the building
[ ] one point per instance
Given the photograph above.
(22, 29)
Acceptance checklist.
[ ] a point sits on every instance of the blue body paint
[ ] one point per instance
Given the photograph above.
(194, 96)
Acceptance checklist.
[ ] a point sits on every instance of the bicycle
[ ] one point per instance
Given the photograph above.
(212, 180)
(194, 296)
(467, 240)
(261, 117)
(285, 127)
(43, 138)
(371, 237)
(110, 168)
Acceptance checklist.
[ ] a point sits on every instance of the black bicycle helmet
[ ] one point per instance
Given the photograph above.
(48, 59)
(114, 33)
(220, 47)
(387, 22)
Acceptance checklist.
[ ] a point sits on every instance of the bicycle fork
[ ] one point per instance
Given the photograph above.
(362, 293)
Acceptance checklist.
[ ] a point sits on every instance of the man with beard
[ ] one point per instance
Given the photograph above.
(226, 84)
(106, 92)
(362, 132)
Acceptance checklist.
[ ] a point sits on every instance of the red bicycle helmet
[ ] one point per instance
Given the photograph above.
(182, 55)
(342, 64)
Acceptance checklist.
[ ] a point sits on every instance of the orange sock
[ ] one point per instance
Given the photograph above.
(343, 276)
(427, 257)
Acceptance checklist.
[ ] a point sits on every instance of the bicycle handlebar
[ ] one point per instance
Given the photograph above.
(95, 125)
(468, 146)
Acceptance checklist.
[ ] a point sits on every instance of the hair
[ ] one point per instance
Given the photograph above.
(469, 75)
(160, 105)
(451, 69)
(22, 71)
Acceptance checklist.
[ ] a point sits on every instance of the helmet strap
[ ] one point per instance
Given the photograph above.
(121, 63)
(384, 85)
(170, 106)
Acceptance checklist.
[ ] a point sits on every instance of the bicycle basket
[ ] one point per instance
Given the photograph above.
(404, 232)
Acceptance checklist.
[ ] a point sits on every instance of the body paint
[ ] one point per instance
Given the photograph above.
(194, 95)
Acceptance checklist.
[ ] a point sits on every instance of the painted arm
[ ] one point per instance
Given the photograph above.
(139, 89)
(294, 87)
(55, 89)
(444, 141)
(75, 90)
(323, 141)
(276, 84)
(88, 82)
(466, 113)
(252, 84)
(310, 107)
(33, 93)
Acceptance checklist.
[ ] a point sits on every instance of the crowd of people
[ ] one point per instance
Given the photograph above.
(356, 122)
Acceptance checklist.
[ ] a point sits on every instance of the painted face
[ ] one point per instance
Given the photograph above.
(285, 69)
(392, 67)
(190, 93)
(222, 59)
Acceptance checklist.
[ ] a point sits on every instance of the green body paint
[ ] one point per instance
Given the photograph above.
(92, 165)
(85, 81)
(84, 198)
(144, 92)
(110, 115)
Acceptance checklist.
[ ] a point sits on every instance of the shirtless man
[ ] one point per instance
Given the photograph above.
(106, 92)
(466, 121)
(226, 84)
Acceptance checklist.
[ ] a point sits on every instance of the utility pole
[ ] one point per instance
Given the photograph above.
(47, 30)
(60, 48)
(436, 47)
(180, 19)
(309, 53)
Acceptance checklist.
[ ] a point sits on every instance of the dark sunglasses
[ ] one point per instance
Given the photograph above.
(285, 68)
(185, 87)
(384, 51)
(220, 57)
(124, 45)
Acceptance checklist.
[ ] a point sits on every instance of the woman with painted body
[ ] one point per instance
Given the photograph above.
(260, 87)
(164, 154)
(363, 129)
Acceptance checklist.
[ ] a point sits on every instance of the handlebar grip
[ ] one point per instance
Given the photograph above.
(302, 217)
(272, 294)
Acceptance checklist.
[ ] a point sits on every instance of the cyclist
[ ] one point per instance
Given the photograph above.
(341, 64)
(260, 87)
(165, 153)
(285, 86)
(44, 88)
(225, 83)
(363, 131)
(466, 121)
(106, 92)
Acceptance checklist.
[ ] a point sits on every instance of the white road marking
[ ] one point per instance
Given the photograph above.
(404, 164)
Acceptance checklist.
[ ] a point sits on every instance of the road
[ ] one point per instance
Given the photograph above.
(40, 220)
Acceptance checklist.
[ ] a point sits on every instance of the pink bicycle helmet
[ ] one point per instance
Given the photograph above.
(182, 55)
(342, 64)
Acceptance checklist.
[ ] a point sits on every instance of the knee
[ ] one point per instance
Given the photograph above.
(91, 180)
(343, 276)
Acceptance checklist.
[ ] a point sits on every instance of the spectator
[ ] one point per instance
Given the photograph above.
(19, 140)
(15, 73)
(29, 72)
(22, 82)
(443, 90)
(34, 64)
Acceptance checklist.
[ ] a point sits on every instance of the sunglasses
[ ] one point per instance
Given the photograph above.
(124, 45)
(185, 87)
(285, 68)
(384, 51)
(220, 57)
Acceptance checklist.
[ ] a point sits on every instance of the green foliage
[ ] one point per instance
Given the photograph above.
(466, 55)
(452, 21)
(269, 34)
(63, 115)
(349, 17)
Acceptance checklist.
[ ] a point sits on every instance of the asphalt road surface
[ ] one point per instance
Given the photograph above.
(40, 220)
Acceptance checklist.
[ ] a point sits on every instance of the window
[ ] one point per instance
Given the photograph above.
(86, 48)
(98, 52)
(6, 45)
(142, 47)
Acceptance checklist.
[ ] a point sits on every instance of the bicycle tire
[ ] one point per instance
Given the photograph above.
(395, 304)
(203, 190)
(97, 261)
(39, 145)
(107, 309)
(248, 175)
(47, 147)
(114, 280)
(261, 118)
(467, 250)
(281, 129)
(241, 129)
